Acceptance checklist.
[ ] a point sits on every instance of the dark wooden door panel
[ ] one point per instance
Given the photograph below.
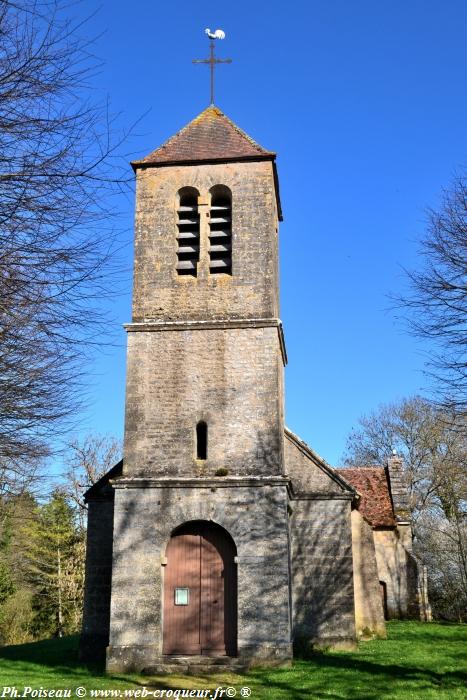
(182, 622)
(200, 562)
(212, 597)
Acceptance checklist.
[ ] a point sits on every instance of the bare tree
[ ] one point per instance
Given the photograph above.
(434, 447)
(438, 303)
(86, 462)
(58, 172)
(434, 450)
(54, 567)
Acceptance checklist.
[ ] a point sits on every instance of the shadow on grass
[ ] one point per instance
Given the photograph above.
(32, 651)
(417, 663)
(388, 672)
(52, 659)
(436, 632)
(49, 659)
(61, 653)
(331, 677)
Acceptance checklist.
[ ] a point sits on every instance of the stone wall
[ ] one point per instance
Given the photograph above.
(96, 610)
(369, 611)
(307, 471)
(322, 573)
(252, 289)
(230, 378)
(256, 518)
(395, 567)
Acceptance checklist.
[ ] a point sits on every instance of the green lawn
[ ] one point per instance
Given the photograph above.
(422, 661)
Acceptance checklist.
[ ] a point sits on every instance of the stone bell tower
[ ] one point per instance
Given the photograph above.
(205, 345)
(202, 487)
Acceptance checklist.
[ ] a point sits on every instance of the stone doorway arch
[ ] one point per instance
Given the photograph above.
(200, 591)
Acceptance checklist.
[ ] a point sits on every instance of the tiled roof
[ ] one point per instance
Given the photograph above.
(211, 136)
(375, 503)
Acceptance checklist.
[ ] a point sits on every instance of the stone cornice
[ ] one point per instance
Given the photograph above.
(214, 324)
(202, 325)
(200, 483)
(318, 496)
(227, 482)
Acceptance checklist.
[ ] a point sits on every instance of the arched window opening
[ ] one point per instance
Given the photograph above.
(220, 231)
(188, 232)
(201, 440)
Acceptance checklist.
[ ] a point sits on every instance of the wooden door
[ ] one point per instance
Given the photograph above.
(200, 593)
(384, 598)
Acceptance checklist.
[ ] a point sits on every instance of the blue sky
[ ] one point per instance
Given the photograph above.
(365, 104)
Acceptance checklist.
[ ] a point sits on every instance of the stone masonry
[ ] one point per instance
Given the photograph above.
(261, 537)
(207, 348)
(203, 348)
(251, 292)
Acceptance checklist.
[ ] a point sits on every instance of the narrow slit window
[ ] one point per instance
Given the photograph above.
(188, 233)
(202, 440)
(220, 231)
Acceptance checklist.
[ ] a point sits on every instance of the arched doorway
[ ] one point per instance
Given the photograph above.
(200, 591)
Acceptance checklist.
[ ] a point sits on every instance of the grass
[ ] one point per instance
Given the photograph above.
(417, 661)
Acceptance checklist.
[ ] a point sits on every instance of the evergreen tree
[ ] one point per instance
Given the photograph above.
(15, 591)
(7, 587)
(56, 562)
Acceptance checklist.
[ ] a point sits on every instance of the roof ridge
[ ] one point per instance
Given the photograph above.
(180, 131)
(211, 135)
(315, 454)
(361, 466)
(241, 132)
(319, 461)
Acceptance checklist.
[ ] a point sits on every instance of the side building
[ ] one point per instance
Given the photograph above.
(390, 583)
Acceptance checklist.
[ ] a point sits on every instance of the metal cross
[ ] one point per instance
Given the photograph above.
(212, 60)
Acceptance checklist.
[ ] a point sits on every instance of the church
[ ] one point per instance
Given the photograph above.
(221, 537)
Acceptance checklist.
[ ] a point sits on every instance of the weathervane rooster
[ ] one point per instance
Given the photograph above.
(212, 60)
(218, 34)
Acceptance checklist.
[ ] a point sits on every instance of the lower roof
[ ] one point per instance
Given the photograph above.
(375, 503)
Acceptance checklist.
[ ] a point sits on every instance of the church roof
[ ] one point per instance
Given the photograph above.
(210, 137)
(375, 503)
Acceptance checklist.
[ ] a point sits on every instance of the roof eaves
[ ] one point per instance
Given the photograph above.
(196, 161)
(114, 472)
